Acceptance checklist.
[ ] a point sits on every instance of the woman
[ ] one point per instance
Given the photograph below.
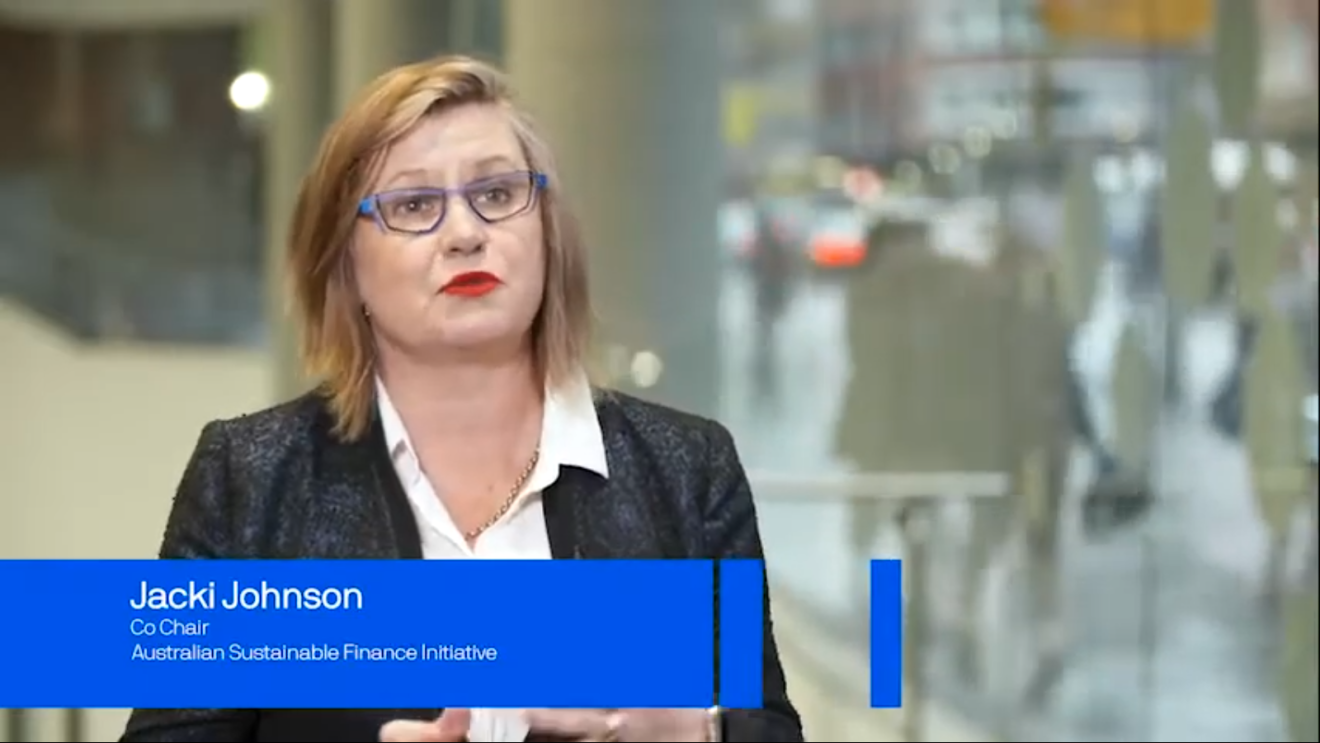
(442, 288)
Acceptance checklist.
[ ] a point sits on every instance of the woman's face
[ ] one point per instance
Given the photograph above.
(449, 254)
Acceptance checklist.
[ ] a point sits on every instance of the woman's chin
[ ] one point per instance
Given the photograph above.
(478, 338)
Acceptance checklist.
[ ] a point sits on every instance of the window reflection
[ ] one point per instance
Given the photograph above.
(1084, 203)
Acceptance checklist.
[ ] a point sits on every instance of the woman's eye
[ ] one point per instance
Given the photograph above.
(495, 195)
(415, 205)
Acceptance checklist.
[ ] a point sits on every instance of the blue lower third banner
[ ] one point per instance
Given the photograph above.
(886, 634)
(397, 633)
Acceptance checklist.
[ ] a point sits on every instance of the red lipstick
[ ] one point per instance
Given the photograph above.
(472, 284)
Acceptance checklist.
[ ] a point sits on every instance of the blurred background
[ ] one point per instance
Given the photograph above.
(1022, 291)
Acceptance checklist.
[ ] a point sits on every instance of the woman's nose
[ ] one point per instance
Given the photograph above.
(463, 232)
(465, 246)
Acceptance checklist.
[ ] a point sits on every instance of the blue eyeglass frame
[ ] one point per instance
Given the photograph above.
(368, 206)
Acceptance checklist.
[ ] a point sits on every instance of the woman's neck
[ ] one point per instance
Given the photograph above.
(473, 402)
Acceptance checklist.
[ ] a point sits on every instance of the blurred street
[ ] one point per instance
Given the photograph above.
(1169, 630)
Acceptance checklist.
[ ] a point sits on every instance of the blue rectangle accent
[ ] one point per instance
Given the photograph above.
(379, 634)
(742, 633)
(886, 634)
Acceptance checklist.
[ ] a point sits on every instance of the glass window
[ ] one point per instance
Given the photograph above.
(1050, 283)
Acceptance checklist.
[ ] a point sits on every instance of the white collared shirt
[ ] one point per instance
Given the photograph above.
(570, 435)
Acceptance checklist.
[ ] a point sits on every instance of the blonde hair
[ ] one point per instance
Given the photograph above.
(336, 344)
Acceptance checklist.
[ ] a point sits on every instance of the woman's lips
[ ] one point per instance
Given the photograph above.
(472, 284)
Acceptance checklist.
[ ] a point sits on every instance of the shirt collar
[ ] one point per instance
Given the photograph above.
(570, 430)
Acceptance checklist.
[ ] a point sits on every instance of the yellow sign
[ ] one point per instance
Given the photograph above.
(742, 109)
(1165, 22)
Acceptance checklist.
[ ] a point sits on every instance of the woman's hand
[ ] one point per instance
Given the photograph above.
(450, 727)
(606, 725)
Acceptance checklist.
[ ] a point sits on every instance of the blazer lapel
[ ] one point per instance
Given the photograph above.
(589, 516)
(403, 524)
(562, 503)
(623, 516)
(359, 509)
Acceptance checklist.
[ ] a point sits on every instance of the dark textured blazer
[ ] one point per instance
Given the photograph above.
(278, 484)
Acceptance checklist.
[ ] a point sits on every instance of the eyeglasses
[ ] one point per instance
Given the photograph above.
(418, 211)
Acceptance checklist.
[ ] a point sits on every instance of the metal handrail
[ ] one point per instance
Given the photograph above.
(905, 486)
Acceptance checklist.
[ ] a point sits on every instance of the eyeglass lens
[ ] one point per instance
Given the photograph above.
(493, 199)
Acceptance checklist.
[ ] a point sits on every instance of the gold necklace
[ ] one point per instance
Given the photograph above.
(514, 492)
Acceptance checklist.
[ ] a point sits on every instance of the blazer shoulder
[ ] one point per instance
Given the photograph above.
(253, 448)
(234, 474)
(659, 426)
(275, 428)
